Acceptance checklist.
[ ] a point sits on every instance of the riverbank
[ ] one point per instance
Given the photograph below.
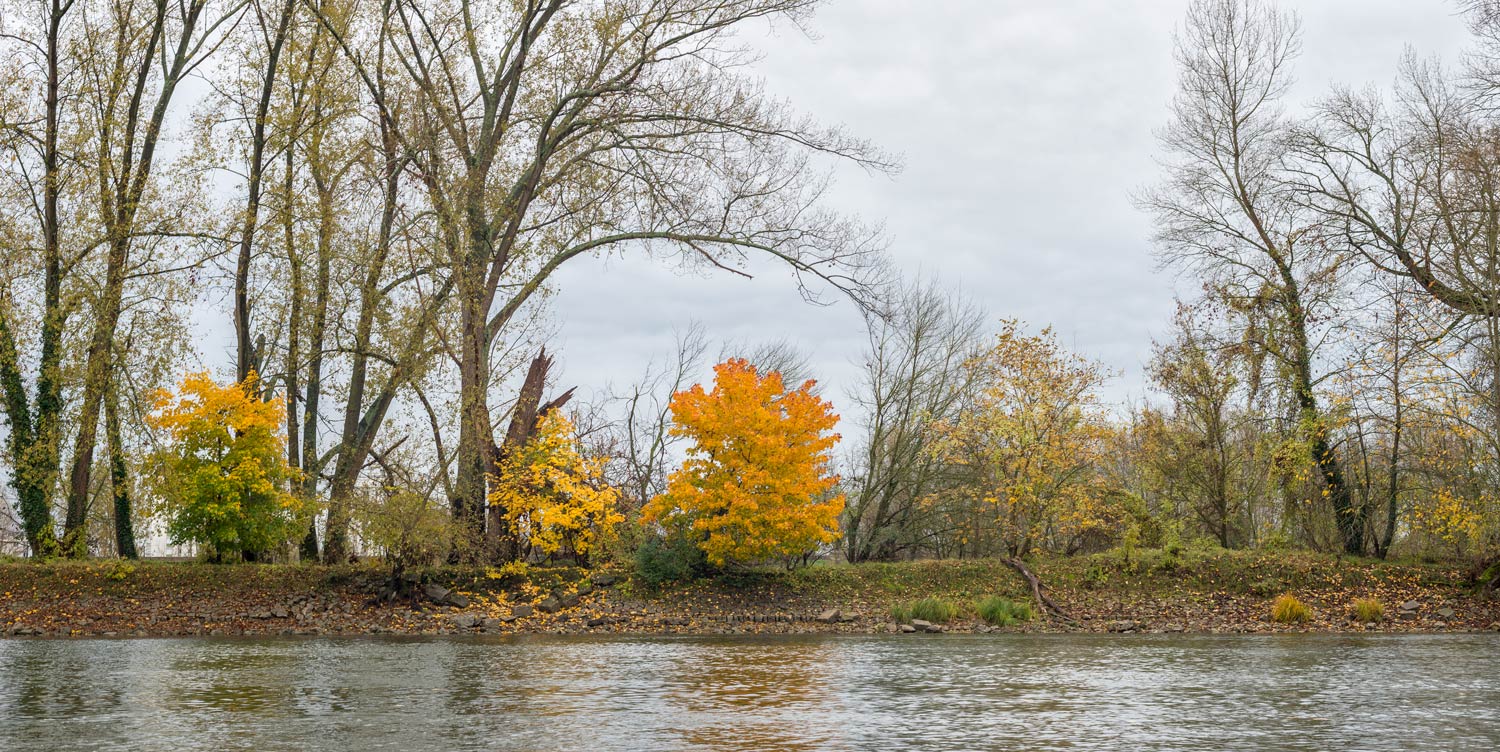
(1148, 591)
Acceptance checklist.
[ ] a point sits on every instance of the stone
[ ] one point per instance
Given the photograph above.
(1174, 628)
(568, 601)
(921, 623)
(436, 593)
(829, 616)
(908, 629)
(597, 621)
(1122, 626)
(934, 628)
(490, 624)
(1446, 613)
(549, 605)
(280, 612)
(521, 610)
(457, 599)
(466, 621)
(260, 615)
(1408, 616)
(604, 579)
(584, 588)
(1410, 606)
(893, 628)
(1440, 625)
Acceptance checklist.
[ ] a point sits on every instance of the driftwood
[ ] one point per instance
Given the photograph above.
(1047, 606)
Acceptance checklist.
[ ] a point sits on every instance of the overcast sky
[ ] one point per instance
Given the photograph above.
(1024, 126)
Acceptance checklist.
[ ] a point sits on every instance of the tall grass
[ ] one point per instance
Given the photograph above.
(1002, 612)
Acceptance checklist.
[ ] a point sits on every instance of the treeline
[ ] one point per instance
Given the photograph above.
(1335, 386)
(374, 197)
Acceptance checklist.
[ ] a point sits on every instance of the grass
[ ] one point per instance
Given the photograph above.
(1368, 609)
(1002, 612)
(1288, 610)
(935, 610)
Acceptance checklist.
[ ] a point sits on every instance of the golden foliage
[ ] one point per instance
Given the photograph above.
(756, 483)
(553, 497)
(225, 477)
(1032, 440)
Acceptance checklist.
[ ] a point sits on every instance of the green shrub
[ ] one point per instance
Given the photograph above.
(1288, 610)
(933, 610)
(1002, 612)
(1368, 609)
(672, 559)
(1263, 588)
(900, 614)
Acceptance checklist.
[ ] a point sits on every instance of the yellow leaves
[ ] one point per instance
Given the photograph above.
(1032, 437)
(554, 497)
(756, 483)
(224, 472)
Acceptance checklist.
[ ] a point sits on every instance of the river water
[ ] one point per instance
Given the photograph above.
(951, 692)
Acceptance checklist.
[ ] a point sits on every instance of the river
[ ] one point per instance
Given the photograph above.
(982, 692)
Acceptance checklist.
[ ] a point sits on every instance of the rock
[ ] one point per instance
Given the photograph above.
(893, 628)
(1408, 616)
(436, 593)
(1122, 626)
(1440, 625)
(280, 612)
(568, 601)
(604, 579)
(908, 629)
(466, 621)
(597, 621)
(549, 605)
(1410, 606)
(1174, 628)
(456, 599)
(986, 629)
(1446, 613)
(829, 616)
(921, 623)
(259, 615)
(584, 588)
(934, 628)
(521, 610)
(489, 625)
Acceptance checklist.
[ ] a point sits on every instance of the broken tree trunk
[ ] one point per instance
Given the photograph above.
(524, 418)
(1046, 605)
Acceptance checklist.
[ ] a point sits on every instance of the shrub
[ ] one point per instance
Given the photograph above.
(1002, 612)
(932, 609)
(410, 529)
(672, 559)
(900, 614)
(1368, 609)
(1288, 610)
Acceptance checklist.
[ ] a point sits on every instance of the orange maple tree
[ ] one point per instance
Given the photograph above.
(756, 483)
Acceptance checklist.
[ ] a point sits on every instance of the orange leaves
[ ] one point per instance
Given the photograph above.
(756, 484)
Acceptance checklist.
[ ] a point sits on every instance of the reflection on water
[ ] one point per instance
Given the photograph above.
(951, 692)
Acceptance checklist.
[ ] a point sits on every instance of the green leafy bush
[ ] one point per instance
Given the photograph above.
(1002, 612)
(661, 560)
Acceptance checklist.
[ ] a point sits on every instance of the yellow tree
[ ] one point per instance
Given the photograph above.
(224, 472)
(756, 483)
(555, 498)
(1031, 441)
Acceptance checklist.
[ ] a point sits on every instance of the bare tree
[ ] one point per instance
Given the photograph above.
(1229, 210)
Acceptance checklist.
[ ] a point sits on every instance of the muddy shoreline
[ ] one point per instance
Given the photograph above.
(1224, 593)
